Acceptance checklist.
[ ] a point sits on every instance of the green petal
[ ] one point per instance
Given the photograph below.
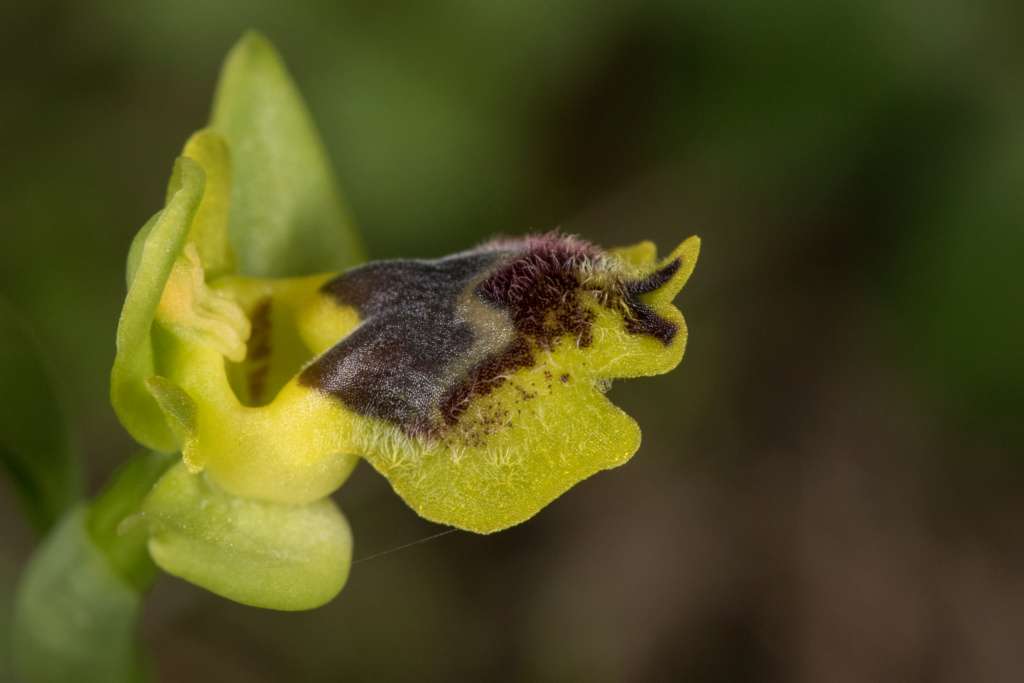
(150, 262)
(273, 555)
(74, 618)
(210, 228)
(36, 447)
(287, 215)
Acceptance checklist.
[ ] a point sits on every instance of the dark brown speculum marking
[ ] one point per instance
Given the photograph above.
(397, 364)
(259, 350)
(438, 334)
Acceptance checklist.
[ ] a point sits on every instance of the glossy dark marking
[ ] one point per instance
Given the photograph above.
(397, 364)
(485, 377)
(406, 362)
(645, 319)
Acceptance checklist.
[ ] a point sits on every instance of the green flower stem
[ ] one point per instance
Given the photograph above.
(79, 600)
(74, 618)
(127, 552)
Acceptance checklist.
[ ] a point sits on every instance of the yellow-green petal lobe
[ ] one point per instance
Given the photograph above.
(544, 436)
(296, 449)
(273, 555)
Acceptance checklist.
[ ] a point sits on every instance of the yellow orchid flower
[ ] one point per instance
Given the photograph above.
(474, 383)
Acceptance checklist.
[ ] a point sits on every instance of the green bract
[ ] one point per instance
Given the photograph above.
(475, 383)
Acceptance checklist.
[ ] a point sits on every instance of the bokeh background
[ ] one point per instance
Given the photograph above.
(831, 486)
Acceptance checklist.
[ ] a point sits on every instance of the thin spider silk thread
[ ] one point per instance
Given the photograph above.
(408, 545)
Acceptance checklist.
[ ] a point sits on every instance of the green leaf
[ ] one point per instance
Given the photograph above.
(74, 618)
(36, 446)
(150, 262)
(288, 217)
(259, 553)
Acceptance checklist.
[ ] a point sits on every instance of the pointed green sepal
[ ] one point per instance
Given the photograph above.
(287, 214)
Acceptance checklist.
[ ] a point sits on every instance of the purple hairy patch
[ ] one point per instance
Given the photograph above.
(541, 287)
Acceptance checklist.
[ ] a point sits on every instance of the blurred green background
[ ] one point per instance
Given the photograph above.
(831, 486)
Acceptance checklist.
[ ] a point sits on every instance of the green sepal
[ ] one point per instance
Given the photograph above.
(36, 445)
(265, 554)
(288, 217)
(74, 618)
(150, 262)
